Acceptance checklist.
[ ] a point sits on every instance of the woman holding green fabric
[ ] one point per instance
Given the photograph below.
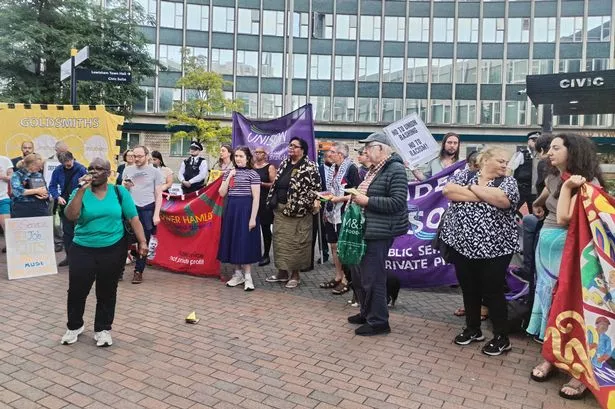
(98, 253)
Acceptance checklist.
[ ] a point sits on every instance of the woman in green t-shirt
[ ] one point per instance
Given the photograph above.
(99, 250)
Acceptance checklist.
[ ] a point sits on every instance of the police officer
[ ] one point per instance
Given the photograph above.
(524, 165)
(193, 170)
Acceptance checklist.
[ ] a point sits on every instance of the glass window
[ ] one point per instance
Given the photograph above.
(344, 67)
(298, 101)
(417, 106)
(299, 66)
(441, 70)
(369, 68)
(418, 29)
(171, 14)
(301, 24)
(516, 71)
(223, 111)
(417, 69)
(223, 19)
(321, 108)
(272, 65)
(394, 28)
(146, 102)
(320, 67)
(392, 69)
(200, 54)
(247, 63)
(570, 120)
(569, 65)
(166, 97)
(250, 103)
(323, 25)
(465, 111)
(368, 110)
(467, 30)
(466, 71)
(518, 30)
(597, 64)
(598, 28)
(491, 71)
(271, 106)
(490, 112)
(273, 23)
(180, 147)
(248, 21)
(197, 17)
(149, 8)
(440, 111)
(222, 61)
(343, 109)
(151, 50)
(392, 109)
(571, 29)
(346, 27)
(370, 28)
(597, 120)
(544, 29)
(443, 30)
(171, 57)
(542, 67)
(515, 113)
(493, 30)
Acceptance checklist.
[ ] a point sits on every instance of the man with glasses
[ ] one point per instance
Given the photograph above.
(193, 170)
(144, 182)
(363, 160)
(383, 196)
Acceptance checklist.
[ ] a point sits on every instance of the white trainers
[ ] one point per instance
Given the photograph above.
(237, 279)
(103, 338)
(71, 336)
(249, 284)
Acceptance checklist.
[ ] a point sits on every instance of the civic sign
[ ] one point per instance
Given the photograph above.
(81, 56)
(65, 70)
(120, 77)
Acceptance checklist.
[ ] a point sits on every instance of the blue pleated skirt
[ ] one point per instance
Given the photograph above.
(239, 244)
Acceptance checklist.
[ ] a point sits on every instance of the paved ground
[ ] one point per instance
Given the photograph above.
(270, 348)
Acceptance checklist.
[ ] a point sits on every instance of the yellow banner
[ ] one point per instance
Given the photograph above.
(89, 131)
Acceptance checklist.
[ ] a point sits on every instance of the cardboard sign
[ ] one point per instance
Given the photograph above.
(50, 166)
(412, 140)
(29, 247)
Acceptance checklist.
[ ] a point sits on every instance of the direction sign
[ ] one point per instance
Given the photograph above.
(82, 55)
(120, 77)
(65, 70)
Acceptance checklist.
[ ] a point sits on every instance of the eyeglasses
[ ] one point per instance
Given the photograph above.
(293, 146)
(371, 145)
(97, 169)
(139, 156)
(259, 152)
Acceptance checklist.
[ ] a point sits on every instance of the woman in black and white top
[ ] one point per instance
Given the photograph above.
(480, 228)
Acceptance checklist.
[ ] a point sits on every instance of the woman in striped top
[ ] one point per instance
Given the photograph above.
(240, 241)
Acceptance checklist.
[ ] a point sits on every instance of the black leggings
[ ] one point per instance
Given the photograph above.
(267, 237)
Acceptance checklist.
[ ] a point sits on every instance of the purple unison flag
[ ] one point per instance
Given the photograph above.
(275, 134)
(411, 258)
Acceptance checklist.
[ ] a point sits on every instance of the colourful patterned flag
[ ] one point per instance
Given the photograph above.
(581, 332)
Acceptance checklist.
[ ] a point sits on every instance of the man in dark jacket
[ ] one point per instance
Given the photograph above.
(64, 180)
(384, 196)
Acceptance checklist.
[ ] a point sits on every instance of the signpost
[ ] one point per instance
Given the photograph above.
(120, 77)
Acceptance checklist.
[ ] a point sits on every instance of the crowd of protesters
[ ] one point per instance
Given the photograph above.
(283, 207)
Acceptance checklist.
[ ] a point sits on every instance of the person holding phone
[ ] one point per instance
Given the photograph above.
(29, 195)
(99, 249)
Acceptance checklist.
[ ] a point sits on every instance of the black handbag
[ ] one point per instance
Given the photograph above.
(129, 234)
(445, 250)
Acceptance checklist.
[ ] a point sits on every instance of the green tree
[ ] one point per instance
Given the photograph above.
(36, 37)
(206, 100)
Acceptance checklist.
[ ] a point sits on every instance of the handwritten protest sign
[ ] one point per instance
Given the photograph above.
(412, 140)
(29, 247)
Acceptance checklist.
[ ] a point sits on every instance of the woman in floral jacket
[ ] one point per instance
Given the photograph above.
(293, 200)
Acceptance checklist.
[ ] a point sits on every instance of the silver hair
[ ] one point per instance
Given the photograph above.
(342, 148)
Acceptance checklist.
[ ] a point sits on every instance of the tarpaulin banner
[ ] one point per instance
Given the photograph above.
(581, 330)
(274, 135)
(412, 257)
(189, 232)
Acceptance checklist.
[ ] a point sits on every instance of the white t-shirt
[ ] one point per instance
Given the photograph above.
(5, 165)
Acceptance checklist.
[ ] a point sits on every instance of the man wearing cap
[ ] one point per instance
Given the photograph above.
(523, 167)
(383, 197)
(193, 170)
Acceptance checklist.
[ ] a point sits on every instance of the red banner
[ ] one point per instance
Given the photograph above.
(189, 232)
(580, 338)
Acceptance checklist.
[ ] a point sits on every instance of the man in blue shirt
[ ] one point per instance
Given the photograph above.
(64, 180)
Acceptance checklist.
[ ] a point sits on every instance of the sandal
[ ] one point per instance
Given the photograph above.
(275, 279)
(580, 390)
(460, 312)
(330, 284)
(543, 375)
(341, 289)
(292, 283)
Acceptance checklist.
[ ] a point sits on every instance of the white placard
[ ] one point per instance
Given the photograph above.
(412, 140)
(50, 166)
(29, 247)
